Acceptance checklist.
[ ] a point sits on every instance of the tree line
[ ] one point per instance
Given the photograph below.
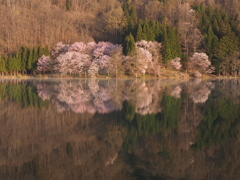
(24, 61)
(182, 27)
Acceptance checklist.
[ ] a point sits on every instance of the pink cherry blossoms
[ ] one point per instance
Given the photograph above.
(200, 61)
(91, 59)
(43, 64)
(176, 64)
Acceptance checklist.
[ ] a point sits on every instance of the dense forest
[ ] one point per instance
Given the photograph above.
(134, 37)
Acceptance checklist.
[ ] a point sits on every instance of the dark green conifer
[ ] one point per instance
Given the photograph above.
(215, 26)
(140, 35)
(68, 5)
(129, 45)
(2, 65)
(166, 47)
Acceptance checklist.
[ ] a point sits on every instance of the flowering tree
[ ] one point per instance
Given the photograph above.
(43, 64)
(59, 49)
(101, 55)
(78, 47)
(43, 92)
(106, 58)
(176, 92)
(154, 48)
(176, 63)
(115, 66)
(200, 61)
(72, 63)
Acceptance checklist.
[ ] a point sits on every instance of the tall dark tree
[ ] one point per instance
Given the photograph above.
(129, 45)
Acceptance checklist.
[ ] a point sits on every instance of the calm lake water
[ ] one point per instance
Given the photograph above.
(119, 129)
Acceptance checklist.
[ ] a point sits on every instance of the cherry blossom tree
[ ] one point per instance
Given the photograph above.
(200, 61)
(101, 55)
(105, 58)
(115, 66)
(78, 47)
(59, 49)
(154, 48)
(43, 91)
(43, 64)
(176, 92)
(176, 64)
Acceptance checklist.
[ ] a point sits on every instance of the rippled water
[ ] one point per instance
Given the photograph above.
(119, 129)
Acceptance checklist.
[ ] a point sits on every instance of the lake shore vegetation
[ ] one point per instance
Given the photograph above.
(118, 39)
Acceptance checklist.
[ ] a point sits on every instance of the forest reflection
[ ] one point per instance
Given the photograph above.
(119, 129)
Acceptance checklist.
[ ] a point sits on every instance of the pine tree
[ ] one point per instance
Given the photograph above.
(166, 47)
(35, 58)
(152, 31)
(131, 16)
(18, 62)
(224, 28)
(140, 35)
(209, 40)
(215, 26)
(29, 59)
(2, 65)
(227, 45)
(159, 32)
(129, 45)
(68, 5)
(23, 51)
(174, 43)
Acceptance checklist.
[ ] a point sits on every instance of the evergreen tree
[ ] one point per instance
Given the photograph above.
(129, 45)
(152, 31)
(215, 26)
(175, 43)
(18, 62)
(158, 32)
(227, 45)
(2, 65)
(166, 47)
(23, 51)
(68, 5)
(171, 44)
(140, 35)
(35, 58)
(131, 17)
(224, 29)
(29, 59)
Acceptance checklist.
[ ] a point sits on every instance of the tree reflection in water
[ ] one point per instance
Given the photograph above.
(119, 129)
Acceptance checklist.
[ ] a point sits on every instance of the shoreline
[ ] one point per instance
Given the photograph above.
(164, 75)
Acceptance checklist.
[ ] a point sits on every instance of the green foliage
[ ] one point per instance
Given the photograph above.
(220, 31)
(129, 45)
(184, 61)
(2, 64)
(131, 17)
(150, 124)
(128, 110)
(148, 30)
(171, 44)
(171, 111)
(219, 123)
(140, 35)
(24, 60)
(23, 94)
(68, 5)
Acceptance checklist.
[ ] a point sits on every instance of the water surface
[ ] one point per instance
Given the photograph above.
(119, 129)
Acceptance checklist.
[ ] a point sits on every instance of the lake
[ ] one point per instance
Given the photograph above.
(67, 129)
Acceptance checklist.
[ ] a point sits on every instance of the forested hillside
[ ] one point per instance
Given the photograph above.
(182, 27)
